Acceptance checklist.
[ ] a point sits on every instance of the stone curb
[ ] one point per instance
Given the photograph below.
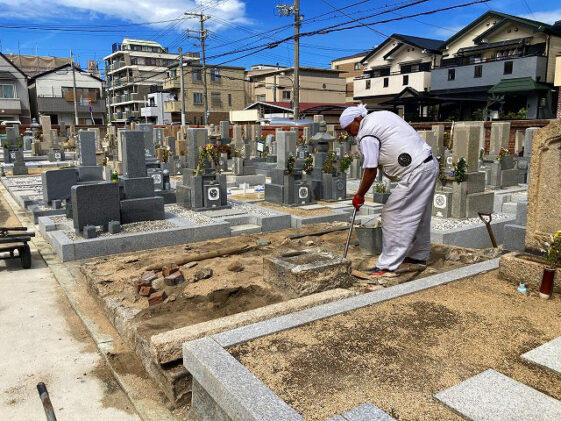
(150, 410)
(222, 376)
(277, 324)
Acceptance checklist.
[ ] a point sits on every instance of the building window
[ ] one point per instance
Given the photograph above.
(508, 68)
(197, 75)
(7, 91)
(214, 75)
(357, 66)
(368, 84)
(451, 74)
(229, 100)
(405, 80)
(386, 82)
(215, 99)
(478, 71)
(261, 98)
(285, 94)
(198, 98)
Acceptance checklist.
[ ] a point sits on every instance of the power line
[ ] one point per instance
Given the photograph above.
(355, 20)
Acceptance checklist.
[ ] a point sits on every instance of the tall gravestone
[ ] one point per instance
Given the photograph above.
(432, 140)
(500, 136)
(148, 131)
(134, 158)
(286, 144)
(196, 138)
(502, 171)
(237, 133)
(544, 206)
(87, 168)
(225, 131)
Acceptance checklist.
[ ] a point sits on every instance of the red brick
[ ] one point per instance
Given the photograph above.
(145, 291)
(148, 276)
(167, 270)
(139, 283)
(157, 298)
(174, 279)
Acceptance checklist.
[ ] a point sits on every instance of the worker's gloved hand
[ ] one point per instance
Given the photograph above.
(358, 201)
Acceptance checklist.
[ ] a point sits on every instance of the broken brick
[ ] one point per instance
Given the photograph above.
(157, 298)
(174, 279)
(167, 270)
(148, 276)
(145, 291)
(139, 283)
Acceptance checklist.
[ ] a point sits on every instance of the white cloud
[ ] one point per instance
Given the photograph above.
(550, 16)
(43, 11)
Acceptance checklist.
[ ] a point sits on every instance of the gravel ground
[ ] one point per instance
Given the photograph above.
(60, 219)
(443, 224)
(135, 227)
(23, 180)
(195, 217)
(253, 210)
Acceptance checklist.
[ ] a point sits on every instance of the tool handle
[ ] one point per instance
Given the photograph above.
(349, 235)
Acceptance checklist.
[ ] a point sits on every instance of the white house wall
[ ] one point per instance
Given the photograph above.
(51, 84)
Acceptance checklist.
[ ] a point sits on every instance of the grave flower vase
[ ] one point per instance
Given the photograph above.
(546, 287)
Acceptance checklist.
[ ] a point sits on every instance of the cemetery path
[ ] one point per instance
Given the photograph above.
(43, 340)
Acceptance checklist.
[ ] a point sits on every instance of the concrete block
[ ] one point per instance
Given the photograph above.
(509, 207)
(521, 213)
(56, 204)
(95, 204)
(514, 237)
(134, 188)
(114, 227)
(509, 177)
(366, 412)
(57, 183)
(494, 396)
(479, 202)
(90, 173)
(142, 209)
(89, 231)
(86, 145)
(442, 204)
(547, 355)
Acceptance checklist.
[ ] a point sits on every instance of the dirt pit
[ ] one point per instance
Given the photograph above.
(398, 354)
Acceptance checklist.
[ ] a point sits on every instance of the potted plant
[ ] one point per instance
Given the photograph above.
(329, 164)
(345, 162)
(460, 170)
(290, 161)
(381, 194)
(551, 255)
(505, 159)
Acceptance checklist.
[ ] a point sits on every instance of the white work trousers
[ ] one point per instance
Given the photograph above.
(406, 217)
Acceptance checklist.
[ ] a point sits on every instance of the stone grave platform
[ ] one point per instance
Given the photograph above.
(214, 360)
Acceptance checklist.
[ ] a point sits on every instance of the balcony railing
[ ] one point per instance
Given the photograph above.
(470, 60)
(172, 83)
(172, 106)
(11, 104)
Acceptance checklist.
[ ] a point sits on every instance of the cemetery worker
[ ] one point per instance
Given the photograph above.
(389, 143)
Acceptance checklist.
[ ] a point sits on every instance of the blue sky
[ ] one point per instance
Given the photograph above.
(96, 24)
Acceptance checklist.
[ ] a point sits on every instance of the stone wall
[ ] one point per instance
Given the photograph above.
(544, 204)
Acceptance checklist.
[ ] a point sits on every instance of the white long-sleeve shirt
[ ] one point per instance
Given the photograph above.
(387, 141)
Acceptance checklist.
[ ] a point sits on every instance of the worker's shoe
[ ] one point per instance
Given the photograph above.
(381, 273)
(414, 261)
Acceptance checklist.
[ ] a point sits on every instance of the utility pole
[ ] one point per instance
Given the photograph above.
(74, 89)
(182, 86)
(286, 10)
(201, 37)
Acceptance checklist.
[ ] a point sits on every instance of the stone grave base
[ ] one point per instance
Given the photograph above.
(519, 267)
(470, 233)
(217, 373)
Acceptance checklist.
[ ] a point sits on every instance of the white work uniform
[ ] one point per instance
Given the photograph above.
(389, 143)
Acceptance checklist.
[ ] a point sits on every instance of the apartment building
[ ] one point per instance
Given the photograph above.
(276, 84)
(134, 69)
(14, 97)
(154, 111)
(397, 74)
(51, 93)
(352, 67)
(225, 92)
(498, 62)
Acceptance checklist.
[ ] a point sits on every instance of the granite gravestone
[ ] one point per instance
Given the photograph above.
(95, 205)
(133, 151)
(87, 168)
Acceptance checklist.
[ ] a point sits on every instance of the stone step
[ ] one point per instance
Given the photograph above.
(244, 229)
(494, 396)
(366, 412)
(548, 355)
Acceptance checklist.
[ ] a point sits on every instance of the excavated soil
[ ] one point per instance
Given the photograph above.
(296, 211)
(400, 353)
(227, 292)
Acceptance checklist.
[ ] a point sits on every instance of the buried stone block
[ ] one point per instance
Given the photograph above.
(114, 227)
(134, 188)
(442, 204)
(90, 173)
(89, 231)
(307, 271)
